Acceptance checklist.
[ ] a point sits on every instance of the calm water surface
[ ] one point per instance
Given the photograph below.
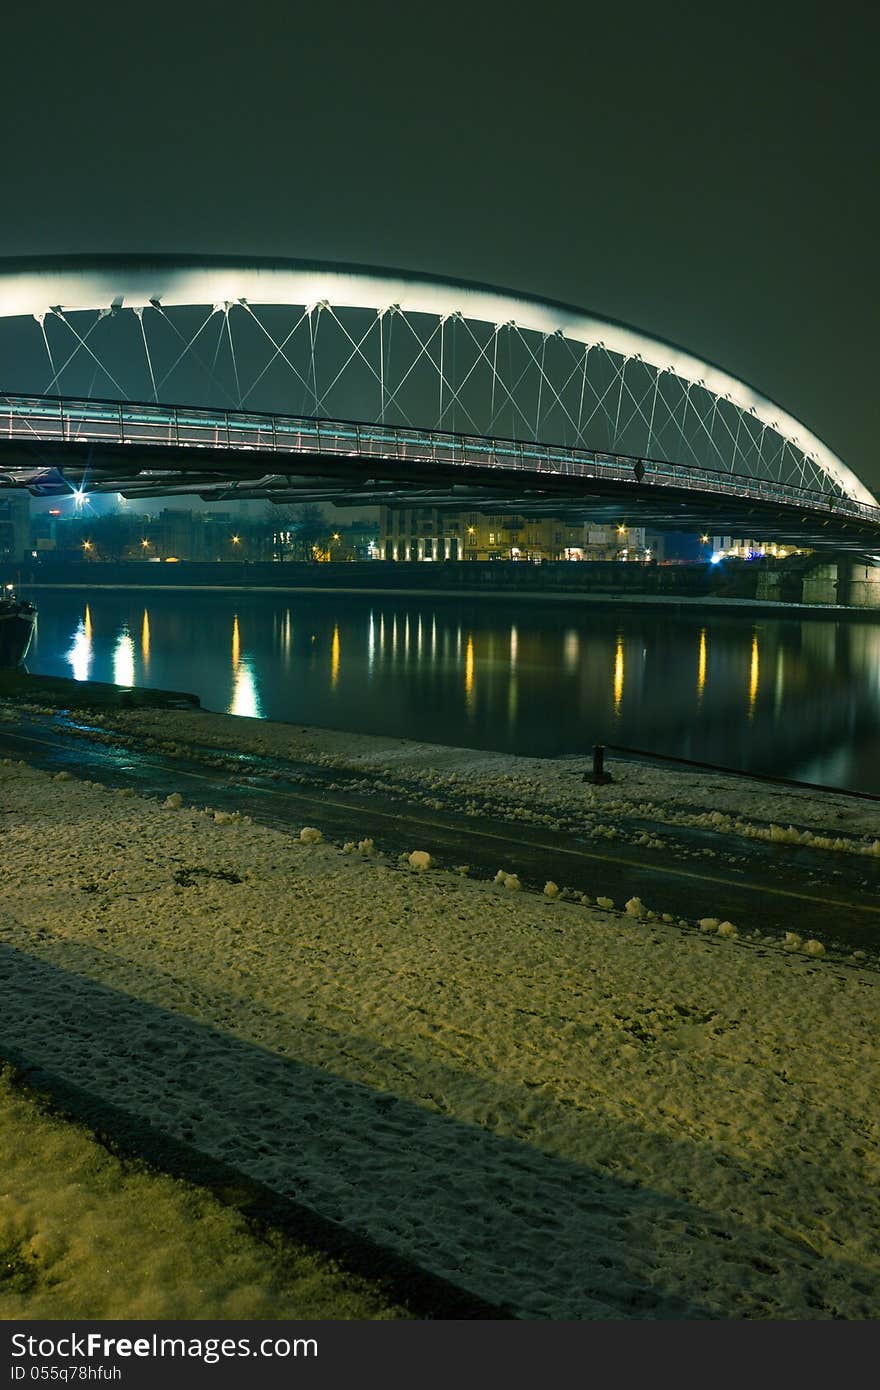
(794, 698)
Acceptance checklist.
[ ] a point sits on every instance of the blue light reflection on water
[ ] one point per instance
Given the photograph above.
(797, 698)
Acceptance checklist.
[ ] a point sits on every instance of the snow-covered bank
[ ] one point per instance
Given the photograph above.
(568, 1111)
(541, 791)
(84, 1234)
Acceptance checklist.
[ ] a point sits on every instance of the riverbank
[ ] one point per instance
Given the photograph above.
(802, 584)
(696, 603)
(552, 792)
(566, 1109)
(88, 1233)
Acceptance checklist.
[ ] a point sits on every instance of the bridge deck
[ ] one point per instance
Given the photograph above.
(51, 444)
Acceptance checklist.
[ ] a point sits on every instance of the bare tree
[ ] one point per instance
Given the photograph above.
(306, 525)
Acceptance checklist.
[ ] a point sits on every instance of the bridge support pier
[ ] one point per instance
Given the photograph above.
(860, 585)
(779, 585)
(821, 584)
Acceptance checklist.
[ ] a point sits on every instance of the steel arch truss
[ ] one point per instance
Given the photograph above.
(403, 352)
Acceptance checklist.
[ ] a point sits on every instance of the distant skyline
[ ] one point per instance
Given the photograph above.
(707, 176)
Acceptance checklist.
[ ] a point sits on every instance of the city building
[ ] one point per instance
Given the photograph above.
(15, 530)
(424, 533)
(741, 548)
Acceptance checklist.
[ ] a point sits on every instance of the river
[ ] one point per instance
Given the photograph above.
(789, 697)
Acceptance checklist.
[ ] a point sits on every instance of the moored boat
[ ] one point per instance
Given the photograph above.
(17, 619)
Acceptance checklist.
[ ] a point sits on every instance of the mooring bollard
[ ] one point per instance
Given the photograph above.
(598, 775)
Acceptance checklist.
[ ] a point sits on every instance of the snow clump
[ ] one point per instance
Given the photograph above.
(551, 889)
(708, 924)
(791, 941)
(607, 903)
(173, 802)
(226, 817)
(814, 948)
(366, 846)
(634, 907)
(61, 777)
(420, 859)
(726, 929)
(309, 835)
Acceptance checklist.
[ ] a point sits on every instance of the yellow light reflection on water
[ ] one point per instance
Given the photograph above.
(371, 644)
(571, 650)
(123, 659)
(701, 665)
(753, 676)
(780, 681)
(334, 658)
(245, 692)
(469, 674)
(618, 675)
(80, 654)
(514, 648)
(145, 640)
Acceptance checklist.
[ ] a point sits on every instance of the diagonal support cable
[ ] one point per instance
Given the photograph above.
(81, 344)
(232, 355)
(139, 314)
(188, 347)
(279, 348)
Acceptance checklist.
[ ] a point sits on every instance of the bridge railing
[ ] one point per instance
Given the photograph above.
(49, 420)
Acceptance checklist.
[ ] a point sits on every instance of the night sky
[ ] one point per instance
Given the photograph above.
(711, 177)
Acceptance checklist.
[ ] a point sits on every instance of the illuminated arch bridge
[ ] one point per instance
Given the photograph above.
(295, 381)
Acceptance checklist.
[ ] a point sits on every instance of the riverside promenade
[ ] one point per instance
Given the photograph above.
(842, 588)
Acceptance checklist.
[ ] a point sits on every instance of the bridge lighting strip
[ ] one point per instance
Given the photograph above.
(304, 435)
(102, 284)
